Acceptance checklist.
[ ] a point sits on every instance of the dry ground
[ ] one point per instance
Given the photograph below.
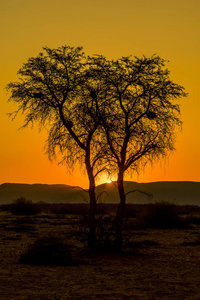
(167, 270)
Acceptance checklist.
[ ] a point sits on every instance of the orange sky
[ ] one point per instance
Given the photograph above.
(114, 28)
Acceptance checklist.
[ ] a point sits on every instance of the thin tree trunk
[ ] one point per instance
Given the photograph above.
(120, 212)
(92, 218)
(92, 211)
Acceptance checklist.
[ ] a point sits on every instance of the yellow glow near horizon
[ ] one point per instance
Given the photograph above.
(112, 28)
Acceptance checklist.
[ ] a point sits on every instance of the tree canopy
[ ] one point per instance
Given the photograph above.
(54, 91)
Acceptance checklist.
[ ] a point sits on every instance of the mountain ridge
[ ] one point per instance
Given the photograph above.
(178, 192)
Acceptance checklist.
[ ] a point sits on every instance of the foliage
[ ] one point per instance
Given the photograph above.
(54, 91)
(141, 118)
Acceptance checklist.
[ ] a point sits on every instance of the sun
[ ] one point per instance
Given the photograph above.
(109, 181)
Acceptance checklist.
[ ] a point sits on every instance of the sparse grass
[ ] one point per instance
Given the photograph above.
(21, 224)
(49, 250)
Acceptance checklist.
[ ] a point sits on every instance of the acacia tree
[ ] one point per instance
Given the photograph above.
(141, 119)
(54, 91)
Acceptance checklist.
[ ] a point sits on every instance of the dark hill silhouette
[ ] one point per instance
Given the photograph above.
(53, 193)
(178, 192)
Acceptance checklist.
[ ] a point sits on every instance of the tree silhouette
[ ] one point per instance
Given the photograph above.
(54, 90)
(141, 119)
(112, 116)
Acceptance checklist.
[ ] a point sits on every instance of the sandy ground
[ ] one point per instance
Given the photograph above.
(168, 270)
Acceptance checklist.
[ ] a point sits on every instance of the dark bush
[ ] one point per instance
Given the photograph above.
(22, 206)
(50, 250)
(160, 215)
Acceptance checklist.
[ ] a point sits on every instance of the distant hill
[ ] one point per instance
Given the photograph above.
(178, 192)
(53, 193)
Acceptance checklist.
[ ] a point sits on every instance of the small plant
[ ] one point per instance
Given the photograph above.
(49, 250)
(22, 206)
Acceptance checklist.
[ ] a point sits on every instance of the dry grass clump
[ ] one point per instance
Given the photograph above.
(49, 250)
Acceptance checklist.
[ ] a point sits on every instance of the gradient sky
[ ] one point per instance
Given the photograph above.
(114, 28)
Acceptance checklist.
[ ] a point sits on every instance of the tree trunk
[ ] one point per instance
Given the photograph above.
(92, 218)
(120, 211)
(92, 211)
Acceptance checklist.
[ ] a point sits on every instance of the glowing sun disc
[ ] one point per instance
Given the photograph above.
(109, 181)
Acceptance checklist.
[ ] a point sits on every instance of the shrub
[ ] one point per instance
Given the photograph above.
(49, 250)
(160, 215)
(22, 206)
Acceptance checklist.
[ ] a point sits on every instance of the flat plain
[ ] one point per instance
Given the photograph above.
(159, 264)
